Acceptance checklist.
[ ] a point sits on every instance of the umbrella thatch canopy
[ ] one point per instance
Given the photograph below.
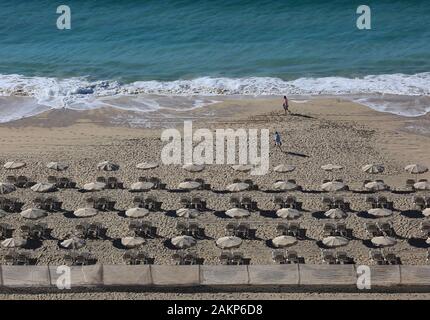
(58, 166)
(85, 212)
(380, 212)
(146, 165)
(229, 242)
(6, 188)
(14, 243)
(242, 167)
(416, 168)
(331, 167)
(137, 212)
(335, 241)
(383, 241)
(237, 213)
(74, 243)
(132, 242)
(191, 167)
(12, 165)
(237, 187)
(335, 214)
(182, 242)
(284, 168)
(284, 186)
(33, 213)
(426, 212)
(333, 186)
(373, 168)
(141, 186)
(107, 166)
(284, 241)
(43, 187)
(288, 213)
(376, 186)
(187, 213)
(94, 186)
(423, 185)
(189, 185)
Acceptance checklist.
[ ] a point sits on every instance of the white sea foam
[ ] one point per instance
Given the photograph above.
(80, 93)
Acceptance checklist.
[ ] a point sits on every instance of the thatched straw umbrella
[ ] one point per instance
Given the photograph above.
(146, 165)
(85, 212)
(182, 242)
(191, 167)
(13, 165)
(284, 241)
(33, 213)
(57, 166)
(237, 187)
(288, 213)
(107, 166)
(137, 212)
(237, 213)
(229, 242)
(335, 241)
(283, 168)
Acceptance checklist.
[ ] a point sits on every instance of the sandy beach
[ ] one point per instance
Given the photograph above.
(319, 132)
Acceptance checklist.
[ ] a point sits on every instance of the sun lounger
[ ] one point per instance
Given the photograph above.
(328, 257)
(377, 257)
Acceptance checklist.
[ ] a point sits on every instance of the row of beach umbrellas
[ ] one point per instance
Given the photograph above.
(192, 167)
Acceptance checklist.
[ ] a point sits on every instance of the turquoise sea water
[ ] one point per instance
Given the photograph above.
(212, 47)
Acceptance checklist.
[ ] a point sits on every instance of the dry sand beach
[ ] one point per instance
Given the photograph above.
(319, 132)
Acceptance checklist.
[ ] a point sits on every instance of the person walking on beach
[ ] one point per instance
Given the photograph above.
(285, 105)
(278, 141)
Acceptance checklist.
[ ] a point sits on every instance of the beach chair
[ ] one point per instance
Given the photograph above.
(278, 256)
(372, 201)
(329, 229)
(292, 257)
(372, 229)
(341, 230)
(242, 231)
(377, 257)
(391, 258)
(69, 259)
(22, 182)
(278, 201)
(182, 227)
(190, 258)
(225, 257)
(386, 228)
(185, 202)
(235, 202)
(293, 229)
(327, 202)
(425, 228)
(101, 180)
(9, 259)
(11, 180)
(328, 257)
(419, 203)
(194, 229)
(230, 228)
(128, 257)
(5, 230)
(282, 228)
(252, 185)
(428, 256)
(342, 258)
(138, 202)
(237, 258)
(112, 183)
(409, 185)
(156, 182)
(53, 180)
(178, 257)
